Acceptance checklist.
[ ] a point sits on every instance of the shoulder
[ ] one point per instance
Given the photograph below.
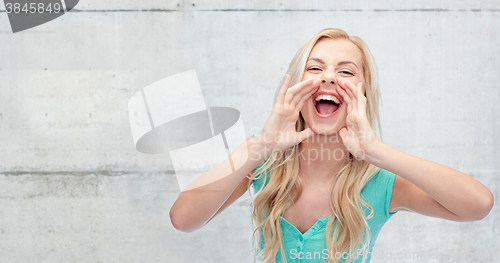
(378, 191)
(379, 181)
(382, 178)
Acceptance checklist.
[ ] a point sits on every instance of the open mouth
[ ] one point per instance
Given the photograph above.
(326, 105)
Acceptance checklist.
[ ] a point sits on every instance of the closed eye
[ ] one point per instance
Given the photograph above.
(347, 72)
(315, 69)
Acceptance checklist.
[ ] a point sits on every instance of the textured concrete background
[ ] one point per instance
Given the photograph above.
(74, 189)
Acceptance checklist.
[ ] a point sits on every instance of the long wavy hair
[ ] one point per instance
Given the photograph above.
(350, 232)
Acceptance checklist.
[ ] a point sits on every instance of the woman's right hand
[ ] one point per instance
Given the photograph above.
(194, 208)
(279, 131)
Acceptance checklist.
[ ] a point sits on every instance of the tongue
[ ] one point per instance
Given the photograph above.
(326, 107)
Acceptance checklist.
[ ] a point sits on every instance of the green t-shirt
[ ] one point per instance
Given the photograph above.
(311, 247)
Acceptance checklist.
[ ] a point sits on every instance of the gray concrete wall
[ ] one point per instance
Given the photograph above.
(74, 189)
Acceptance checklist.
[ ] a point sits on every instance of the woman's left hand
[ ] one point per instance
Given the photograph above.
(358, 136)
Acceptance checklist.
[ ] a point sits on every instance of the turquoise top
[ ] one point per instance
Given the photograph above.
(310, 247)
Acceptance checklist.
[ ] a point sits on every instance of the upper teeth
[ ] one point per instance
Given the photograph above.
(328, 97)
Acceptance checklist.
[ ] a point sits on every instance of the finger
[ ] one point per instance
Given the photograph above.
(361, 87)
(343, 133)
(305, 93)
(293, 91)
(305, 134)
(362, 98)
(307, 96)
(350, 88)
(345, 85)
(344, 95)
(281, 94)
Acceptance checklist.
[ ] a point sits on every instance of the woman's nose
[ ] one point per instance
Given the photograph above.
(331, 81)
(328, 78)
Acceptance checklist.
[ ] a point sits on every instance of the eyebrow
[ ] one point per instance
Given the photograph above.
(338, 64)
(317, 59)
(347, 62)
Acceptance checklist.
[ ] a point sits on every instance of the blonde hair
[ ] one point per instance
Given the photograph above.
(281, 168)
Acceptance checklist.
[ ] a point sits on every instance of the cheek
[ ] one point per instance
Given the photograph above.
(356, 81)
(307, 76)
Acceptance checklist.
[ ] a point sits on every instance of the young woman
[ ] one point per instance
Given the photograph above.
(325, 184)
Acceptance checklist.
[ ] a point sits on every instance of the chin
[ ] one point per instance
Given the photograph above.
(326, 129)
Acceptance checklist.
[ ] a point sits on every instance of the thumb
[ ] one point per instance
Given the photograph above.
(305, 134)
(343, 133)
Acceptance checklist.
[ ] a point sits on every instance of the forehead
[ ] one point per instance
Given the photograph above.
(337, 50)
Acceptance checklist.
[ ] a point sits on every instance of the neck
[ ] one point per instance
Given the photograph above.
(320, 157)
